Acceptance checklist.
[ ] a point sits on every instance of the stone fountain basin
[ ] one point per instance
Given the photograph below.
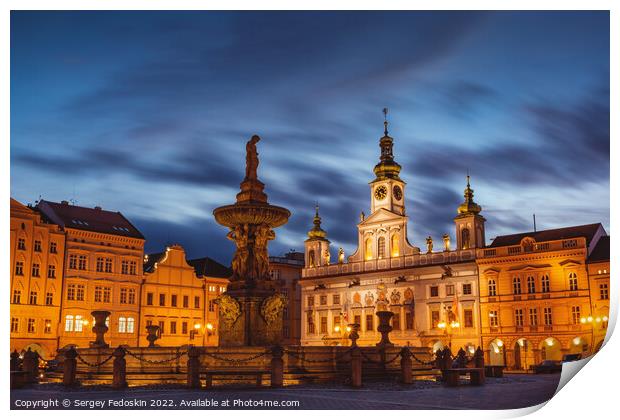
(251, 213)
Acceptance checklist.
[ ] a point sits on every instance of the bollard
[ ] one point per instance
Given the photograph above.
(193, 367)
(70, 367)
(31, 366)
(356, 367)
(15, 361)
(479, 363)
(461, 359)
(277, 366)
(119, 373)
(405, 366)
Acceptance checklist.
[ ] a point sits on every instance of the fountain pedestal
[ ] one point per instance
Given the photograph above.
(250, 311)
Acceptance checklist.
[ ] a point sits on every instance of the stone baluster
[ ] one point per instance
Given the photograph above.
(193, 367)
(277, 366)
(70, 367)
(356, 367)
(406, 365)
(119, 375)
(31, 365)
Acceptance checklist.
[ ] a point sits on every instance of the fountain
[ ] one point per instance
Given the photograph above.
(251, 310)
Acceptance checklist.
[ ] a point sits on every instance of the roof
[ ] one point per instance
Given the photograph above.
(601, 250)
(208, 267)
(587, 231)
(149, 263)
(89, 219)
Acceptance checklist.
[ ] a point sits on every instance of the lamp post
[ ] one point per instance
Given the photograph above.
(343, 332)
(447, 329)
(592, 321)
(210, 330)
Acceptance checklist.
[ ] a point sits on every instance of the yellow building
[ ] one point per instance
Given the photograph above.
(37, 252)
(102, 271)
(179, 296)
(598, 274)
(286, 271)
(534, 292)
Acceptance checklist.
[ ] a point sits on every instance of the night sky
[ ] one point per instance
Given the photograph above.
(148, 113)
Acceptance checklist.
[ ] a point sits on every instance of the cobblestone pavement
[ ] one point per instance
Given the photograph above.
(514, 391)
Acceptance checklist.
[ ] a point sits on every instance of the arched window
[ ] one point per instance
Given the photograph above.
(69, 323)
(79, 322)
(395, 245)
(544, 283)
(492, 288)
(381, 247)
(130, 324)
(122, 324)
(572, 281)
(531, 284)
(312, 258)
(516, 285)
(465, 239)
(368, 249)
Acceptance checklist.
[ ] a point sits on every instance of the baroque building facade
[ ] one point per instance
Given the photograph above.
(286, 272)
(433, 293)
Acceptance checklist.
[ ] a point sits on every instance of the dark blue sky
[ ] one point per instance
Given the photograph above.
(148, 113)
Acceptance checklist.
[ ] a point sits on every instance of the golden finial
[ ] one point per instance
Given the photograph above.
(385, 121)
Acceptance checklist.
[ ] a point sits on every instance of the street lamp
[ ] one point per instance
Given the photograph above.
(195, 331)
(447, 329)
(592, 321)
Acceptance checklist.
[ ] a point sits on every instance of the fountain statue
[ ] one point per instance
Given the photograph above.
(251, 309)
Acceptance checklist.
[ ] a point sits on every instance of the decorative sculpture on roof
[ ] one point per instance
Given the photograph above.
(429, 244)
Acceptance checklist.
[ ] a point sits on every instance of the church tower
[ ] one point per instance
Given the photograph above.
(469, 223)
(383, 234)
(317, 244)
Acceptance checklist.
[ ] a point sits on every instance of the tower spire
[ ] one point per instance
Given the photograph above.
(316, 232)
(385, 121)
(387, 167)
(469, 206)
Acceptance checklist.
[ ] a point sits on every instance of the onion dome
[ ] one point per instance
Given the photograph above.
(387, 167)
(469, 206)
(317, 232)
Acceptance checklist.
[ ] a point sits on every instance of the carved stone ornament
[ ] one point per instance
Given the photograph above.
(229, 309)
(395, 297)
(272, 307)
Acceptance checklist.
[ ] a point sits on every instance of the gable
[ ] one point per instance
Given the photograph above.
(381, 216)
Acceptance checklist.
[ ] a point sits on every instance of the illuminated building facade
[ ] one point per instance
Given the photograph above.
(433, 293)
(286, 271)
(598, 274)
(179, 296)
(102, 271)
(535, 295)
(37, 261)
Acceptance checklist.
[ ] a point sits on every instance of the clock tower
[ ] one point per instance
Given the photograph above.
(387, 191)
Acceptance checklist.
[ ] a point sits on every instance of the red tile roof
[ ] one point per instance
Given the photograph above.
(209, 268)
(585, 231)
(89, 219)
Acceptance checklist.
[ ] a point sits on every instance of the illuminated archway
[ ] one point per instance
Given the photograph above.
(496, 353)
(550, 349)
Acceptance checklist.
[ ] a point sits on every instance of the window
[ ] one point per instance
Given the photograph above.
(173, 327)
(323, 299)
(17, 296)
(310, 321)
(149, 322)
(98, 293)
(49, 298)
(132, 297)
(323, 325)
(149, 299)
(123, 296)
(173, 301)
(312, 258)
(186, 301)
(358, 320)
(310, 300)
(531, 284)
(69, 323)
(124, 267)
(468, 318)
(79, 292)
(434, 319)
(381, 247)
(82, 262)
(37, 246)
(47, 328)
(130, 325)
(122, 324)
(336, 299)
(33, 298)
(516, 285)
(449, 290)
(14, 325)
(21, 244)
(544, 283)
(604, 291)
(73, 261)
(368, 249)
(396, 321)
(572, 281)
(53, 249)
(161, 327)
(211, 305)
(107, 294)
(132, 268)
(409, 320)
(184, 327)
(162, 299)
(434, 291)
(493, 319)
(533, 317)
(519, 317)
(99, 265)
(274, 274)
(548, 316)
(576, 312)
(369, 323)
(35, 269)
(108, 265)
(71, 292)
(467, 289)
(336, 320)
(19, 268)
(51, 271)
(79, 323)
(31, 328)
(196, 302)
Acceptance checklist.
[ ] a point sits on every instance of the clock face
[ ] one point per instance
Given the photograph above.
(380, 192)
(398, 193)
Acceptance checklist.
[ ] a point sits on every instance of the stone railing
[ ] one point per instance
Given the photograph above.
(549, 246)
